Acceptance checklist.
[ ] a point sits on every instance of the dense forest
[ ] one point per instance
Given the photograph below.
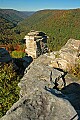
(59, 25)
(9, 19)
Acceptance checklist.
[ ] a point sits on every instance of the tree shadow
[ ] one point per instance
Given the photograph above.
(71, 93)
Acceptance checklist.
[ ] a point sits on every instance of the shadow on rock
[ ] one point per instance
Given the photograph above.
(71, 93)
(22, 64)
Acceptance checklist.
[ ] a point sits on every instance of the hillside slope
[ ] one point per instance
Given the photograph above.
(9, 19)
(14, 15)
(60, 25)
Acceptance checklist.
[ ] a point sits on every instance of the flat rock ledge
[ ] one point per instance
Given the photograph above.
(38, 100)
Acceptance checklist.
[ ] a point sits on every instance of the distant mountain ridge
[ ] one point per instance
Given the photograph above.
(14, 15)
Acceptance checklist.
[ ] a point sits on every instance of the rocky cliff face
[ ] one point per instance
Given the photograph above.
(36, 43)
(39, 100)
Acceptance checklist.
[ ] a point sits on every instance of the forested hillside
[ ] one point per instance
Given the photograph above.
(60, 25)
(9, 19)
(14, 15)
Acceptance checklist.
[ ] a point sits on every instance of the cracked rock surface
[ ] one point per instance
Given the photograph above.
(37, 100)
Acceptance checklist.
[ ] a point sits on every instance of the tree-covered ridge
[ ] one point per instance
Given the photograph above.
(9, 19)
(14, 15)
(60, 25)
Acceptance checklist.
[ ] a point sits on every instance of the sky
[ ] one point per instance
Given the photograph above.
(35, 5)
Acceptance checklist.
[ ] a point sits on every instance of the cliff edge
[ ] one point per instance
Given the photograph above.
(39, 100)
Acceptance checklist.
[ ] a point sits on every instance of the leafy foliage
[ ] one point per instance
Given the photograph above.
(9, 91)
(18, 54)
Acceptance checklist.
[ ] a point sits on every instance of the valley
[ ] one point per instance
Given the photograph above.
(26, 77)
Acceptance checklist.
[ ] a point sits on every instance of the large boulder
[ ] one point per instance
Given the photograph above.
(38, 100)
(41, 105)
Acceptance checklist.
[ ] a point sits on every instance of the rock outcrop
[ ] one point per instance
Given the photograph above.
(39, 100)
(41, 106)
(36, 43)
(66, 58)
